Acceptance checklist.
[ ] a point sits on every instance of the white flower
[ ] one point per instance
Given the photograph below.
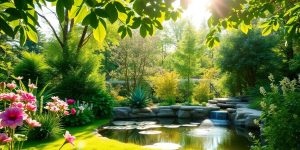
(262, 91)
(81, 108)
(271, 77)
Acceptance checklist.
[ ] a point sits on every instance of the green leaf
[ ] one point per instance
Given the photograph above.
(157, 24)
(129, 32)
(143, 30)
(19, 4)
(137, 22)
(20, 137)
(68, 4)
(276, 26)
(101, 13)
(244, 28)
(112, 12)
(60, 10)
(120, 7)
(99, 33)
(91, 3)
(14, 14)
(23, 36)
(121, 29)
(292, 20)
(32, 35)
(6, 28)
(266, 31)
(91, 19)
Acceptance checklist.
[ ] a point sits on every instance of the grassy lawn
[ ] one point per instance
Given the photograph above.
(85, 140)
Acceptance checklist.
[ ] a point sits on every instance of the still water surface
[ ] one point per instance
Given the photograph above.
(200, 135)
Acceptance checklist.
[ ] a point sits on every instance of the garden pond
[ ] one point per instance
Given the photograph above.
(172, 134)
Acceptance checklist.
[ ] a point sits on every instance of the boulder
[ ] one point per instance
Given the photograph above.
(199, 113)
(225, 105)
(121, 113)
(141, 115)
(141, 110)
(175, 107)
(184, 113)
(212, 101)
(165, 112)
(190, 107)
(231, 110)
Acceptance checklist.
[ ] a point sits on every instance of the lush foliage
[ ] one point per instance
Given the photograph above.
(102, 104)
(81, 114)
(51, 127)
(280, 119)
(33, 66)
(202, 92)
(165, 85)
(247, 58)
(138, 98)
(276, 16)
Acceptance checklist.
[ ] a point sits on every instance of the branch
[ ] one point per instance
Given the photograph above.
(87, 39)
(52, 28)
(81, 41)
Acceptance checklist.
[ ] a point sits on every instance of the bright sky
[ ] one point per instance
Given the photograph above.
(197, 12)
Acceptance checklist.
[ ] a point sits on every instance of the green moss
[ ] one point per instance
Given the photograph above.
(85, 139)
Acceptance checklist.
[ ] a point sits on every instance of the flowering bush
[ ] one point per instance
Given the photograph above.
(280, 118)
(80, 114)
(19, 110)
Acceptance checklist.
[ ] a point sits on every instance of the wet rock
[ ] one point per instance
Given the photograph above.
(190, 107)
(121, 112)
(123, 123)
(150, 132)
(165, 112)
(184, 114)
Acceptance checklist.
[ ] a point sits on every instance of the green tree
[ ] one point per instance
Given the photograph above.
(247, 58)
(186, 57)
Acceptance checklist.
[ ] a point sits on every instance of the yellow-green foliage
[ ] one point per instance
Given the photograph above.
(85, 140)
(202, 91)
(165, 85)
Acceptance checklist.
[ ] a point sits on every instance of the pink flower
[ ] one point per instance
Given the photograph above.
(18, 104)
(33, 123)
(66, 113)
(4, 138)
(19, 78)
(28, 97)
(11, 86)
(70, 101)
(12, 97)
(12, 117)
(73, 111)
(30, 107)
(55, 98)
(32, 86)
(69, 138)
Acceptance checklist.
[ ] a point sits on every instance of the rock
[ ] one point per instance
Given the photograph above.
(206, 123)
(231, 110)
(171, 126)
(246, 117)
(121, 113)
(175, 107)
(141, 110)
(155, 110)
(212, 107)
(199, 113)
(190, 107)
(225, 105)
(212, 101)
(164, 107)
(249, 122)
(242, 105)
(123, 123)
(165, 112)
(229, 99)
(183, 114)
(141, 115)
(150, 132)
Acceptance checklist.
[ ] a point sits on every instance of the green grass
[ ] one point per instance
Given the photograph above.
(85, 140)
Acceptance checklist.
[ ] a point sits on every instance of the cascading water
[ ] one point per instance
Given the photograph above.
(219, 117)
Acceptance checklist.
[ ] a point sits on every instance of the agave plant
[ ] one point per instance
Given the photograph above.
(138, 98)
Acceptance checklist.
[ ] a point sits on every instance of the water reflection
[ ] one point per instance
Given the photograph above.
(203, 137)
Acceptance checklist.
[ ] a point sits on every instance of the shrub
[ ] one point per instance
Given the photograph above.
(280, 115)
(202, 92)
(82, 115)
(33, 66)
(138, 98)
(102, 104)
(51, 127)
(165, 85)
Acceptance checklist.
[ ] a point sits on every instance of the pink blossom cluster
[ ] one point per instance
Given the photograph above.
(18, 108)
(57, 106)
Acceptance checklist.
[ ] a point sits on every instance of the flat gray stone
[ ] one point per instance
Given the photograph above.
(141, 115)
(184, 114)
(175, 107)
(166, 113)
(121, 113)
(190, 107)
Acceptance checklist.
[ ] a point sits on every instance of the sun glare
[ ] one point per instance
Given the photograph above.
(197, 12)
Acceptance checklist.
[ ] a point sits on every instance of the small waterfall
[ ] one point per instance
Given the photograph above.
(219, 117)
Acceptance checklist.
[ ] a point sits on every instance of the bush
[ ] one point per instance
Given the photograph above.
(82, 116)
(138, 98)
(165, 85)
(280, 116)
(102, 104)
(51, 127)
(33, 66)
(202, 92)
